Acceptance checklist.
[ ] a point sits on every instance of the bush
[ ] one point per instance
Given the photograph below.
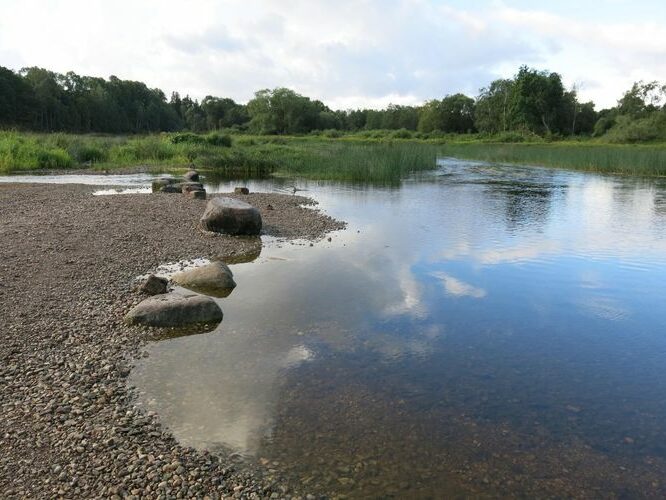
(628, 130)
(332, 133)
(188, 138)
(402, 133)
(220, 140)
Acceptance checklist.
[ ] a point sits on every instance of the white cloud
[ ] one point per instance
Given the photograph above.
(458, 288)
(348, 53)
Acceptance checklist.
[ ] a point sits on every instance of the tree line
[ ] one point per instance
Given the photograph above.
(533, 101)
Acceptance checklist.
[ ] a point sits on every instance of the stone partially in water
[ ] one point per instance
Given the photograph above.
(170, 188)
(191, 186)
(154, 285)
(227, 215)
(241, 190)
(214, 279)
(160, 184)
(191, 176)
(175, 310)
(199, 194)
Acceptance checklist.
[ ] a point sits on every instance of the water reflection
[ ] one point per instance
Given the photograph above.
(480, 330)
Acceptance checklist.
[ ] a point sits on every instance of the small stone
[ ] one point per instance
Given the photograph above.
(241, 190)
(269, 207)
(154, 285)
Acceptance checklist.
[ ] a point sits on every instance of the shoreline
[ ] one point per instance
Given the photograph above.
(68, 260)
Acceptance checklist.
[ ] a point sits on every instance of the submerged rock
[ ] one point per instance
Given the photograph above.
(227, 215)
(154, 285)
(175, 310)
(214, 279)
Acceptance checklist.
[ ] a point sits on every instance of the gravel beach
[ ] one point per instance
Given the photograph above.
(68, 259)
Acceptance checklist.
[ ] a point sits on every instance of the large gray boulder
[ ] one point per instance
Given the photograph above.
(175, 310)
(214, 279)
(227, 215)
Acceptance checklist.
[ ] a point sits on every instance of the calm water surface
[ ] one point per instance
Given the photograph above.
(478, 330)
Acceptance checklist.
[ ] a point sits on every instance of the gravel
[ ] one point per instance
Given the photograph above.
(68, 427)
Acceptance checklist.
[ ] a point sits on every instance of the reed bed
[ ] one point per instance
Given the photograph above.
(644, 160)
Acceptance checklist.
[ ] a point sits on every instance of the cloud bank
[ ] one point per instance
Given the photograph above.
(348, 53)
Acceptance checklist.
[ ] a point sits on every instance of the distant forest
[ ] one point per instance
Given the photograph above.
(533, 101)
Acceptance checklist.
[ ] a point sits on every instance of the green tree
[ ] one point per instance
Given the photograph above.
(494, 111)
(454, 113)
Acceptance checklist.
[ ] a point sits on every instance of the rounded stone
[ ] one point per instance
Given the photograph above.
(230, 216)
(175, 310)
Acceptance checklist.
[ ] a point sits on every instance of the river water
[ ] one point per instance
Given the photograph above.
(476, 330)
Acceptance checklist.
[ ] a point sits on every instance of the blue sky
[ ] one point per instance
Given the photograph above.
(348, 53)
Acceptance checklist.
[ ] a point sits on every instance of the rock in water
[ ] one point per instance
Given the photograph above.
(164, 183)
(241, 190)
(191, 186)
(191, 176)
(226, 215)
(175, 310)
(154, 285)
(214, 279)
(170, 188)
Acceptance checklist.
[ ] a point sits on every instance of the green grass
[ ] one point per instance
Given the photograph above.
(365, 157)
(373, 161)
(593, 157)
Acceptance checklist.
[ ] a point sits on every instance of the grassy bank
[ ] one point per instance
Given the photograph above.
(381, 159)
(311, 157)
(593, 157)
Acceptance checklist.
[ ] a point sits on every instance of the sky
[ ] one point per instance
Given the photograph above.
(347, 53)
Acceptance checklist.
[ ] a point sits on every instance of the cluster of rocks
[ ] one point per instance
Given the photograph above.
(189, 185)
(176, 309)
(182, 309)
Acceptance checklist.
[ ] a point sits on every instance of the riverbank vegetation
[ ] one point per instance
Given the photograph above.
(382, 161)
(384, 156)
(532, 103)
(56, 121)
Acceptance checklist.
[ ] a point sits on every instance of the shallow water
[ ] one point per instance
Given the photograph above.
(479, 330)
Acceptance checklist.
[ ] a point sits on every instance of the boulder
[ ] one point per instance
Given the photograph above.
(227, 215)
(191, 176)
(154, 285)
(175, 310)
(241, 190)
(214, 279)
(171, 188)
(197, 195)
(162, 182)
(186, 187)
